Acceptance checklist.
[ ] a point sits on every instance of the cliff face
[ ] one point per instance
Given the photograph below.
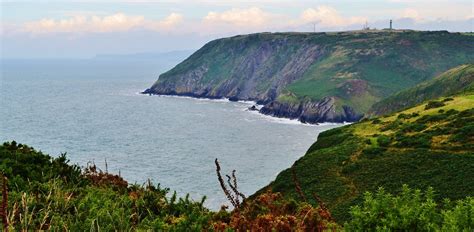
(315, 77)
(311, 111)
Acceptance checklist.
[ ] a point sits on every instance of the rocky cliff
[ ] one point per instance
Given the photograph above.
(315, 77)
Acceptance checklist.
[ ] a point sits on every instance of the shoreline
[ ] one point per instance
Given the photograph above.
(250, 103)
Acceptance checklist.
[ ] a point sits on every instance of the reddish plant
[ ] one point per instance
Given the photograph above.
(234, 198)
(4, 206)
(100, 178)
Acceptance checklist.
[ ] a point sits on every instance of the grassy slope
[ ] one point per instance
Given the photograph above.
(418, 147)
(381, 62)
(451, 82)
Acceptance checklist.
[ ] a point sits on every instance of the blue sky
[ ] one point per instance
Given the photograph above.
(48, 29)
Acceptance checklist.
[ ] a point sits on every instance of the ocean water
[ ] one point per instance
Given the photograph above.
(91, 109)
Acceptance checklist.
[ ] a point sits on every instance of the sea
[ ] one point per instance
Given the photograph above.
(92, 110)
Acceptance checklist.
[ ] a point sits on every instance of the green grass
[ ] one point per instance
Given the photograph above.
(418, 147)
(454, 81)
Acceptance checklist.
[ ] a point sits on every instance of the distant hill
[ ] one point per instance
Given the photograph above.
(316, 77)
(431, 144)
(453, 81)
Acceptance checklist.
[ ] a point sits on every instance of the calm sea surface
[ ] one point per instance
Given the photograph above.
(91, 110)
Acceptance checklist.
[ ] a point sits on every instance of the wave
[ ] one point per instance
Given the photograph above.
(251, 103)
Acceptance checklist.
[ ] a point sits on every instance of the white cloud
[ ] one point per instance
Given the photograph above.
(215, 23)
(326, 16)
(411, 13)
(118, 22)
(250, 17)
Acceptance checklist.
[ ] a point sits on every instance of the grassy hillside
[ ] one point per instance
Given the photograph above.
(429, 145)
(456, 80)
(355, 69)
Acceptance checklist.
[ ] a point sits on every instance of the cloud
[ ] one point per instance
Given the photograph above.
(255, 19)
(118, 22)
(411, 13)
(326, 16)
(220, 23)
(250, 17)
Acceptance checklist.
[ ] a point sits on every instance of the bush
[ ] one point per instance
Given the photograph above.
(411, 210)
(391, 125)
(451, 112)
(464, 134)
(403, 116)
(433, 104)
(412, 127)
(22, 164)
(415, 141)
(432, 118)
(407, 116)
(384, 140)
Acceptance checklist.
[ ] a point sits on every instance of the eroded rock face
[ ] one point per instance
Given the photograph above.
(245, 80)
(311, 111)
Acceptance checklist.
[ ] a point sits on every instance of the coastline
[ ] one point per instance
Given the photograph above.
(250, 103)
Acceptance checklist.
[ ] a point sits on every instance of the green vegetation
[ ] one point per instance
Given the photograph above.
(454, 81)
(421, 147)
(356, 68)
(411, 210)
(47, 193)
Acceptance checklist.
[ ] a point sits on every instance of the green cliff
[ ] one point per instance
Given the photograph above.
(315, 77)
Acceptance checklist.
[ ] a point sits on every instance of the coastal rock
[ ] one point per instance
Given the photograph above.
(253, 108)
(311, 112)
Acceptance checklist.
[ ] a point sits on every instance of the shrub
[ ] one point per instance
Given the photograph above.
(412, 127)
(464, 134)
(433, 104)
(451, 112)
(432, 118)
(415, 141)
(411, 210)
(272, 212)
(391, 125)
(407, 116)
(403, 116)
(384, 140)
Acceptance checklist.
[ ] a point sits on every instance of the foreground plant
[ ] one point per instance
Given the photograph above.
(46, 193)
(411, 210)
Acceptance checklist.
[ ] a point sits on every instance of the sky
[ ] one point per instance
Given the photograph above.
(85, 28)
